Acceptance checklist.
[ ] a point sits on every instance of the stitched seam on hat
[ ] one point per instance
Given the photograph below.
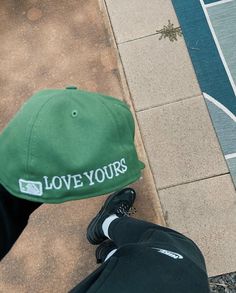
(128, 128)
(122, 148)
(114, 121)
(31, 131)
(132, 129)
(124, 107)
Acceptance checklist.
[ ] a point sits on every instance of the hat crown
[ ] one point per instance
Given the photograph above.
(63, 133)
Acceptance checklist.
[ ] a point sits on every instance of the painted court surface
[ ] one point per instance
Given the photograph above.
(209, 31)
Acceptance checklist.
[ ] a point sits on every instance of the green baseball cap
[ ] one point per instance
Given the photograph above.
(68, 144)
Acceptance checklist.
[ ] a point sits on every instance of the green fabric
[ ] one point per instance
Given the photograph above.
(68, 144)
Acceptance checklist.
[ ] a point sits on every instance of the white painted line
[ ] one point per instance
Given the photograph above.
(218, 47)
(219, 105)
(217, 3)
(230, 156)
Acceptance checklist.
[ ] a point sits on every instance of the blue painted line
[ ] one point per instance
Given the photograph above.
(210, 70)
(207, 63)
(210, 1)
(232, 167)
(223, 19)
(225, 128)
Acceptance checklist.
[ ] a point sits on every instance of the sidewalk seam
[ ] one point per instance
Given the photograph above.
(190, 182)
(128, 95)
(200, 95)
(136, 39)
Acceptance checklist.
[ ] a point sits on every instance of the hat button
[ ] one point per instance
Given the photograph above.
(71, 87)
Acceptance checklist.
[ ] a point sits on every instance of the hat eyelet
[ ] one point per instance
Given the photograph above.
(74, 113)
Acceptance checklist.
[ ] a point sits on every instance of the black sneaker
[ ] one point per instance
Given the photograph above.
(104, 249)
(118, 203)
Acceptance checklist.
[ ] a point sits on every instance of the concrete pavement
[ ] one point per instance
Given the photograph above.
(193, 182)
(196, 191)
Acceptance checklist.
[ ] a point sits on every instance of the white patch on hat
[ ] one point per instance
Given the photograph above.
(31, 187)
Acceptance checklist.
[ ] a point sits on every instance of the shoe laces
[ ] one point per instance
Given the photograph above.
(125, 210)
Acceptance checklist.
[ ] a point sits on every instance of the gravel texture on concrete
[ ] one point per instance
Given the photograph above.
(224, 283)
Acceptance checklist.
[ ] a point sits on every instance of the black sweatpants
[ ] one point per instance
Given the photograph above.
(14, 215)
(150, 259)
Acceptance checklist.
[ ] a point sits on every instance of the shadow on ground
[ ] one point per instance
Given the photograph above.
(51, 44)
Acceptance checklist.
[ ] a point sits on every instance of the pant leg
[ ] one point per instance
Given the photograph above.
(129, 230)
(14, 215)
(139, 268)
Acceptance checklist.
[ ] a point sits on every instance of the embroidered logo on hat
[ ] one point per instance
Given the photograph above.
(30, 187)
(73, 181)
(68, 144)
